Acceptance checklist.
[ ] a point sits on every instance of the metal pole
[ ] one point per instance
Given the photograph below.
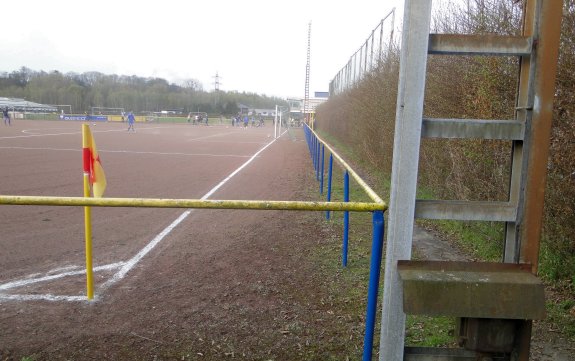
(373, 289)
(408, 124)
(276, 123)
(365, 59)
(345, 220)
(315, 145)
(380, 43)
(329, 172)
(317, 154)
(371, 53)
(354, 68)
(322, 170)
(306, 132)
(347, 76)
(392, 31)
(313, 149)
(360, 63)
(542, 20)
(191, 203)
(86, 156)
(310, 143)
(88, 241)
(310, 136)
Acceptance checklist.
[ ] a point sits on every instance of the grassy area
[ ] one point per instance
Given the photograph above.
(424, 331)
(350, 283)
(482, 240)
(561, 314)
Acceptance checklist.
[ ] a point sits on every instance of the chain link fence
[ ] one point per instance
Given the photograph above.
(371, 55)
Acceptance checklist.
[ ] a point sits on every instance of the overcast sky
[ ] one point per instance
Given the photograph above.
(254, 45)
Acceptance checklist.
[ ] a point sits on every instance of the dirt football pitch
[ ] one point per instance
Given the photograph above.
(218, 284)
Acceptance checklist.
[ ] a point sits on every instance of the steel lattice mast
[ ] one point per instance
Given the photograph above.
(306, 96)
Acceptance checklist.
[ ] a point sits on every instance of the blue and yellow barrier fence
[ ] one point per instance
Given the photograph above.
(317, 149)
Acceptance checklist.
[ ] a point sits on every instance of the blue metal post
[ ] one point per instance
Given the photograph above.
(310, 141)
(311, 146)
(307, 139)
(317, 160)
(322, 160)
(374, 271)
(315, 154)
(345, 219)
(313, 143)
(330, 168)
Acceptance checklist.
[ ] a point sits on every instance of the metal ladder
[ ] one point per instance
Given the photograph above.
(529, 133)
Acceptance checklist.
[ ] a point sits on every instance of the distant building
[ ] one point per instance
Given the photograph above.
(22, 105)
(296, 104)
(266, 113)
(168, 112)
(244, 109)
(263, 112)
(295, 108)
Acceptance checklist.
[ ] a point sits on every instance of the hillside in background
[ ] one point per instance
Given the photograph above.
(93, 89)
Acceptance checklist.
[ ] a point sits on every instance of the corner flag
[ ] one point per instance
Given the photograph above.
(92, 164)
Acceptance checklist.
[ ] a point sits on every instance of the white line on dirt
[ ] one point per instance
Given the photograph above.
(30, 135)
(164, 153)
(235, 142)
(134, 260)
(209, 136)
(132, 152)
(29, 281)
(46, 297)
(125, 267)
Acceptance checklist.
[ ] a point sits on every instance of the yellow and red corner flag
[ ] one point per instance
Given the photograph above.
(92, 164)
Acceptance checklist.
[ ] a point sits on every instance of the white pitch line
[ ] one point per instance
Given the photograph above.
(132, 152)
(47, 297)
(37, 148)
(29, 281)
(210, 136)
(227, 141)
(175, 153)
(125, 267)
(154, 242)
(70, 133)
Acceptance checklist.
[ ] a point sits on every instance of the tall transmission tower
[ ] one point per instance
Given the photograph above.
(217, 81)
(217, 84)
(306, 96)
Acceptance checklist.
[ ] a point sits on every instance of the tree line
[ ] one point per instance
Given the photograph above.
(133, 93)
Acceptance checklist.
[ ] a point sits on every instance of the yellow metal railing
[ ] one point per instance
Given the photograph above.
(192, 203)
(367, 189)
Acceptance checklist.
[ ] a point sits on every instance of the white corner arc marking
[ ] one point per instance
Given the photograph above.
(125, 267)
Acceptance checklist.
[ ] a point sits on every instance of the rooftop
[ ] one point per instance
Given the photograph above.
(18, 104)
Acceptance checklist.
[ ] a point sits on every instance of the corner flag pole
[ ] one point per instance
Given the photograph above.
(276, 123)
(86, 146)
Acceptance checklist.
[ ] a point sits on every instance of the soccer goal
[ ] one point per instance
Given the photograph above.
(107, 111)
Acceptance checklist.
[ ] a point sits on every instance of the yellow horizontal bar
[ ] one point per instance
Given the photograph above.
(370, 192)
(193, 203)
